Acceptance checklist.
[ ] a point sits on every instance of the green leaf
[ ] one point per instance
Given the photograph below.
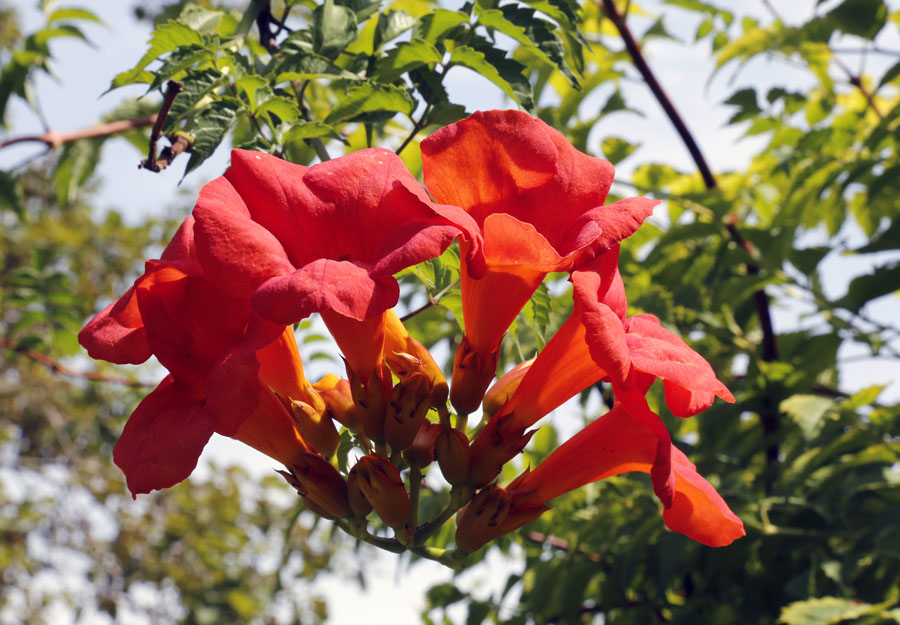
(391, 25)
(334, 28)
(505, 73)
(201, 19)
(745, 101)
(408, 55)
(863, 18)
(164, 39)
(367, 98)
(210, 127)
(73, 14)
(285, 108)
(822, 611)
(880, 282)
(10, 193)
(616, 149)
(307, 66)
(196, 84)
(77, 162)
(299, 130)
(535, 34)
(444, 113)
(890, 74)
(433, 26)
(807, 412)
(181, 59)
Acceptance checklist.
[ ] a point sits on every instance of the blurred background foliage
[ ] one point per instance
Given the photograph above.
(809, 461)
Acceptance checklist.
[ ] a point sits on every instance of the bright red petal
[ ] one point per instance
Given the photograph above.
(614, 444)
(663, 354)
(162, 440)
(237, 253)
(116, 334)
(343, 287)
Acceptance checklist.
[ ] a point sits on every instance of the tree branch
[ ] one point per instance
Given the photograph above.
(432, 301)
(173, 88)
(856, 81)
(769, 412)
(58, 369)
(53, 139)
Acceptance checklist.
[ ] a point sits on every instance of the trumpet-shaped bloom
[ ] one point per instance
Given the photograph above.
(613, 444)
(539, 205)
(325, 239)
(222, 358)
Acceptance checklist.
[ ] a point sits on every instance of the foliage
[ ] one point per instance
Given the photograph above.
(810, 467)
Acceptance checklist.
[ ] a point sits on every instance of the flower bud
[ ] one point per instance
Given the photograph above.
(503, 389)
(370, 400)
(452, 451)
(409, 405)
(493, 448)
(421, 452)
(381, 484)
(316, 426)
(321, 484)
(479, 521)
(472, 373)
(405, 356)
(358, 502)
(335, 392)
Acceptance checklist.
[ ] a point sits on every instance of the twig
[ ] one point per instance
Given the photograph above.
(173, 88)
(59, 369)
(561, 544)
(432, 301)
(53, 139)
(415, 130)
(856, 81)
(264, 19)
(317, 144)
(769, 412)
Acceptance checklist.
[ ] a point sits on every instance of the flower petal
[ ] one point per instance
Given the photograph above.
(615, 444)
(162, 440)
(343, 287)
(116, 334)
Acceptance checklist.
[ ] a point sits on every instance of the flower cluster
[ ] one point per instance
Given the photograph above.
(270, 243)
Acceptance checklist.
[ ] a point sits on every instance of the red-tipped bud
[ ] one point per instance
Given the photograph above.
(452, 452)
(371, 400)
(382, 486)
(409, 405)
(335, 392)
(493, 448)
(479, 521)
(472, 374)
(320, 484)
(358, 502)
(421, 452)
(503, 389)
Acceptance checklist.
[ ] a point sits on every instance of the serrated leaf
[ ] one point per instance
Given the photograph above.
(307, 66)
(285, 108)
(334, 28)
(433, 26)
(165, 38)
(309, 130)
(535, 34)
(181, 59)
(367, 98)
(445, 113)
(408, 55)
(391, 25)
(210, 127)
(73, 14)
(505, 73)
(196, 84)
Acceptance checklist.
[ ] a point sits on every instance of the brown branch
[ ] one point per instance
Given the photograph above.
(432, 301)
(856, 81)
(560, 543)
(53, 139)
(58, 369)
(769, 412)
(173, 88)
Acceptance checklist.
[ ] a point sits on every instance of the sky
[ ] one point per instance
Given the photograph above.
(74, 99)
